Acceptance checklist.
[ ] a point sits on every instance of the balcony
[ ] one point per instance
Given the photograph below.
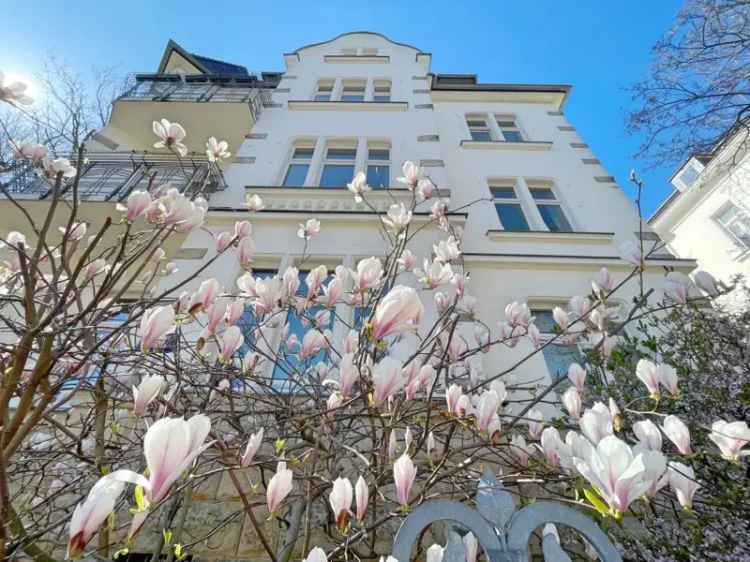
(112, 176)
(225, 107)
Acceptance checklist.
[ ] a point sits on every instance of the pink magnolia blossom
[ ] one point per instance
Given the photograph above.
(446, 250)
(231, 341)
(561, 318)
(535, 423)
(223, 241)
(397, 218)
(340, 500)
(77, 231)
(348, 374)
(314, 280)
(706, 283)
(678, 433)
(216, 314)
(520, 449)
(100, 502)
(317, 554)
(551, 445)
(486, 410)
(34, 153)
(648, 374)
(668, 378)
(387, 379)
(425, 189)
(146, 392)
(434, 274)
(571, 399)
(392, 444)
(620, 476)
(235, 310)
(156, 323)
(407, 261)
(312, 343)
(602, 283)
(170, 446)
(254, 203)
(441, 301)
(452, 395)
(404, 473)
(170, 136)
(205, 295)
(358, 186)
(518, 314)
(682, 481)
(217, 150)
(333, 403)
(579, 306)
(730, 437)
(14, 92)
(412, 175)
(278, 487)
(596, 422)
(367, 275)
(135, 205)
(648, 434)
(16, 240)
(363, 496)
(96, 267)
(245, 250)
(250, 361)
(308, 229)
(54, 167)
(332, 293)
(399, 311)
(242, 229)
(253, 444)
(630, 251)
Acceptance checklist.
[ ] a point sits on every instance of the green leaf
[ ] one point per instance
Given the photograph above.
(595, 501)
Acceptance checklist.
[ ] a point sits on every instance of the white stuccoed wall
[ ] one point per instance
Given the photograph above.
(502, 270)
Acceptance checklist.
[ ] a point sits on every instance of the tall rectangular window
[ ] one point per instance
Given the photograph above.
(299, 165)
(549, 206)
(378, 166)
(338, 167)
(508, 206)
(736, 223)
(558, 355)
(353, 90)
(381, 90)
(509, 128)
(478, 128)
(323, 90)
(299, 324)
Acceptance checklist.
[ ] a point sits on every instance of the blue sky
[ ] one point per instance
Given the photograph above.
(598, 47)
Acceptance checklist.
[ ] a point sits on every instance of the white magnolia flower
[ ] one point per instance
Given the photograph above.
(358, 186)
(308, 229)
(13, 92)
(217, 150)
(170, 135)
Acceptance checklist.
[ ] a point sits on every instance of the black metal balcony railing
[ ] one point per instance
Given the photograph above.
(215, 88)
(112, 176)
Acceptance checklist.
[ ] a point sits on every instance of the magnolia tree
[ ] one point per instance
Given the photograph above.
(114, 416)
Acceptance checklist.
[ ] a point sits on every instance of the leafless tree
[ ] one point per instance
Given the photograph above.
(698, 87)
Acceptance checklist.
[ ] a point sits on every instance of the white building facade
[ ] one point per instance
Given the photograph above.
(540, 214)
(707, 216)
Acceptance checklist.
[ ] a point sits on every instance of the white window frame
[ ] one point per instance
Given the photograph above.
(308, 144)
(379, 145)
(500, 183)
(471, 128)
(541, 183)
(353, 82)
(515, 128)
(725, 226)
(383, 84)
(350, 144)
(323, 88)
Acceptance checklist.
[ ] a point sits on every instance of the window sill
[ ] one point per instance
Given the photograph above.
(551, 237)
(310, 105)
(506, 145)
(357, 59)
(315, 198)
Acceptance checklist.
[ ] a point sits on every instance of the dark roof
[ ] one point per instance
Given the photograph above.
(469, 82)
(214, 66)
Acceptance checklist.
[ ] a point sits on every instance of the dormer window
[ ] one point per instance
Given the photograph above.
(688, 175)
(369, 52)
(349, 51)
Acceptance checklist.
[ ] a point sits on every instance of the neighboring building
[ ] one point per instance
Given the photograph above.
(541, 215)
(707, 216)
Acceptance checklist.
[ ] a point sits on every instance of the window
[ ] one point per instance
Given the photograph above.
(338, 167)
(324, 90)
(509, 128)
(299, 165)
(689, 176)
(353, 90)
(549, 206)
(381, 90)
(508, 206)
(478, 128)
(349, 51)
(378, 166)
(558, 355)
(736, 224)
(299, 324)
(369, 52)
(248, 321)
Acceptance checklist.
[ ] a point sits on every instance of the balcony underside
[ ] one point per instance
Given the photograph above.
(130, 126)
